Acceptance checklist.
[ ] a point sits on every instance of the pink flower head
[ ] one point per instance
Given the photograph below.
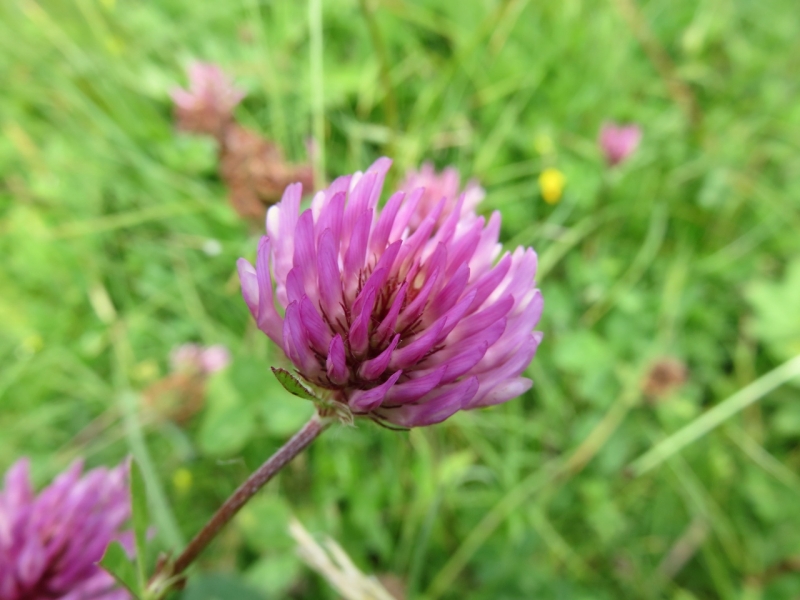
(207, 106)
(618, 142)
(194, 358)
(50, 542)
(437, 186)
(406, 325)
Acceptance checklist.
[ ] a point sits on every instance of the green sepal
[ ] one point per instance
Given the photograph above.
(116, 563)
(292, 385)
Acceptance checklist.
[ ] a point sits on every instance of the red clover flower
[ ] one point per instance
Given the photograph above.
(194, 358)
(207, 106)
(618, 142)
(438, 186)
(50, 542)
(404, 314)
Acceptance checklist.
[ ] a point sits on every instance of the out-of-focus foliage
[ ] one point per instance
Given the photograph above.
(118, 245)
(777, 311)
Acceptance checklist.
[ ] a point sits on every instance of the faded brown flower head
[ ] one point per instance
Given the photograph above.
(177, 397)
(256, 171)
(181, 394)
(665, 375)
(252, 166)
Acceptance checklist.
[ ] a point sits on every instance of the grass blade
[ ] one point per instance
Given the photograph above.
(716, 416)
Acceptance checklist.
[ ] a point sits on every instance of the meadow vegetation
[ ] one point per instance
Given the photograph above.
(118, 245)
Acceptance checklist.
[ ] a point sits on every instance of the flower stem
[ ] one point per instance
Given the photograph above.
(248, 489)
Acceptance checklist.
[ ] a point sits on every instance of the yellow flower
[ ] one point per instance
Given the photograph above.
(182, 480)
(551, 182)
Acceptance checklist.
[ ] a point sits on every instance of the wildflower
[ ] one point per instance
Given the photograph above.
(256, 171)
(181, 394)
(182, 480)
(618, 142)
(193, 358)
(665, 375)
(254, 168)
(437, 186)
(207, 106)
(406, 325)
(551, 184)
(50, 543)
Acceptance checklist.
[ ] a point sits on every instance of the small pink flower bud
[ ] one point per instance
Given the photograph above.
(618, 142)
(207, 106)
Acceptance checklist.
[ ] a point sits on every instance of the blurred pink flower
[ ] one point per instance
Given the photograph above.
(50, 542)
(207, 106)
(404, 324)
(193, 358)
(618, 142)
(438, 186)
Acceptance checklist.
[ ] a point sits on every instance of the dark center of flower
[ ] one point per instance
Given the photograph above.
(385, 298)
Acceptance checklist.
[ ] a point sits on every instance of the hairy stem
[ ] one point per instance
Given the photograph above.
(248, 489)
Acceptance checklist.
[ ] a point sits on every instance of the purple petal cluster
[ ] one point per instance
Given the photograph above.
(618, 142)
(50, 542)
(437, 186)
(194, 358)
(406, 314)
(207, 106)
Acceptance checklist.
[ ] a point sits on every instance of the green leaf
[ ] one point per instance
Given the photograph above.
(140, 520)
(292, 384)
(785, 421)
(776, 305)
(219, 587)
(282, 413)
(262, 523)
(116, 563)
(275, 573)
(228, 422)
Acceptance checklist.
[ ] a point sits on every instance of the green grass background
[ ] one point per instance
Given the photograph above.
(691, 250)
